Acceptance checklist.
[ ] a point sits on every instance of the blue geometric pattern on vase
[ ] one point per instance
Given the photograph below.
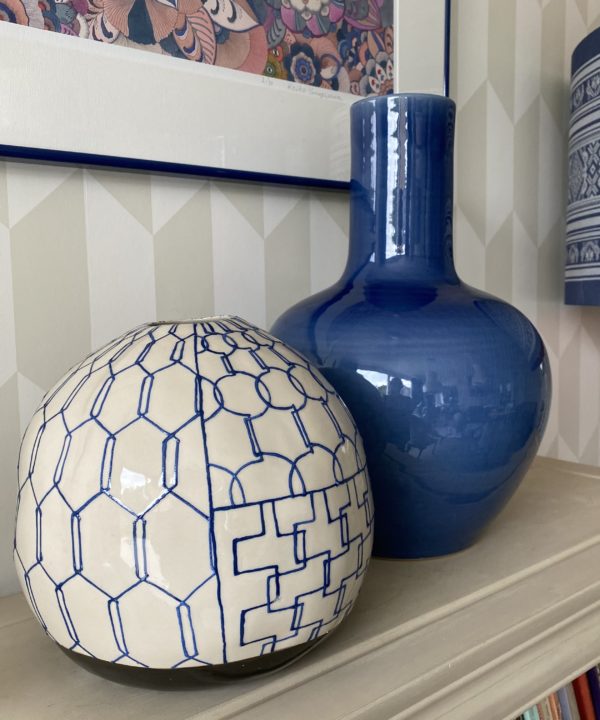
(582, 270)
(192, 494)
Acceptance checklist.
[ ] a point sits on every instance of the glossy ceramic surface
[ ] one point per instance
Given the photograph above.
(582, 271)
(192, 494)
(450, 387)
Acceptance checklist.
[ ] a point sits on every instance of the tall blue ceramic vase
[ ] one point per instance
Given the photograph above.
(450, 387)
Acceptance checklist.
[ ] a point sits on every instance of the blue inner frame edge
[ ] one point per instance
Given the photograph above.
(66, 157)
(159, 166)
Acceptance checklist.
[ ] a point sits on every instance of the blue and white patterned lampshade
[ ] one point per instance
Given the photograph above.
(582, 270)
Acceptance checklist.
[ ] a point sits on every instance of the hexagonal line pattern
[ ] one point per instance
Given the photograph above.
(215, 367)
(84, 371)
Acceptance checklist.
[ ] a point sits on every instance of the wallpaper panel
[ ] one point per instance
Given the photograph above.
(86, 254)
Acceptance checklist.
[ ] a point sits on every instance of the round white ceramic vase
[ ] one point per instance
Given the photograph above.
(192, 495)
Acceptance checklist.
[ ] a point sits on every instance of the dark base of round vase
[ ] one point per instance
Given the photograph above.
(182, 678)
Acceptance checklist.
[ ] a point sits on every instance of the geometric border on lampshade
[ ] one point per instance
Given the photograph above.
(582, 261)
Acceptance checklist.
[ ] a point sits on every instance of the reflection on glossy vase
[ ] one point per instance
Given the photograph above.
(450, 387)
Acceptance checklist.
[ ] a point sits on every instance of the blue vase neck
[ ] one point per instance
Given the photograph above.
(401, 189)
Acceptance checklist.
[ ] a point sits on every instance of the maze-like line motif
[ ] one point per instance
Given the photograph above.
(191, 494)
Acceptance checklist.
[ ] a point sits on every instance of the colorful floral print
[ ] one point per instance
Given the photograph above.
(342, 45)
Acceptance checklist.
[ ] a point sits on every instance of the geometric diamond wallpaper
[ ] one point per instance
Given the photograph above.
(87, 254)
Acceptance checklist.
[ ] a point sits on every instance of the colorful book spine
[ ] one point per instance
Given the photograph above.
(594, 683)
(563, 701)
(531, 714)
(555, 711)
(572, 702)
(584, 698)
(544, 711)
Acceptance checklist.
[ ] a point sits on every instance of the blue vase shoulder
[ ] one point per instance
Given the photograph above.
(450, 388)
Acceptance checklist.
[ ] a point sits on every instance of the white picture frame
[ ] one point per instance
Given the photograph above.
(74, 100)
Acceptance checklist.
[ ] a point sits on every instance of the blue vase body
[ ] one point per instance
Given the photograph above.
(450, 387)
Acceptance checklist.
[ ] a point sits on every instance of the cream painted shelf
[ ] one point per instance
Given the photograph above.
(481, 634)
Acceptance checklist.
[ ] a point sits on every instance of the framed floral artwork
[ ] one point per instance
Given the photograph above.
(244, 88)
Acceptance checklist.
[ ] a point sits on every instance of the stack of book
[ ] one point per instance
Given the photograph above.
(579, 700)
